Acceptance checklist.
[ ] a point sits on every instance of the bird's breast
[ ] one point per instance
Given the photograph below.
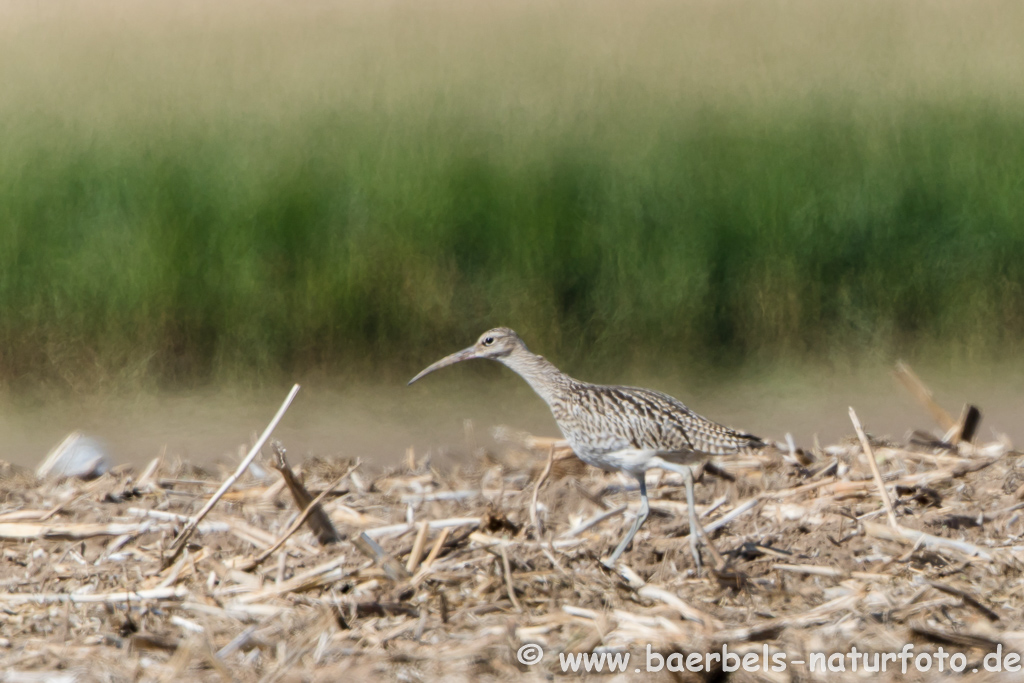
(593, 446)
(590, 436)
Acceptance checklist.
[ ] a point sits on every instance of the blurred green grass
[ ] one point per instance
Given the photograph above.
(191, 193)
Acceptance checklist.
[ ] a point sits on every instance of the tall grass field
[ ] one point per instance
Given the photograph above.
(195, 191)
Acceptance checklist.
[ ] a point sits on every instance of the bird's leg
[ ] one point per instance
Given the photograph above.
(637, 523)
(697, 532)
(691, 507)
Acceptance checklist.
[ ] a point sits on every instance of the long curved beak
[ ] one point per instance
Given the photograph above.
(464, 354)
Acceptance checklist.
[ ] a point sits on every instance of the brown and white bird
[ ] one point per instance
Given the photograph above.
(627, 429)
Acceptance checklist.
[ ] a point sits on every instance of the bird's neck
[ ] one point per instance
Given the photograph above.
(547, 380)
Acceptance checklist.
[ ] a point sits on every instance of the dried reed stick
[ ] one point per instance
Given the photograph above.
(179, 542)
(870, 455)
(508, 579)
(417, 548)
(312, 507)
(923, 394)
(536, 491)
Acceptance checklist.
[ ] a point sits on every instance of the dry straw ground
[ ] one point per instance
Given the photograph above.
(447, 574)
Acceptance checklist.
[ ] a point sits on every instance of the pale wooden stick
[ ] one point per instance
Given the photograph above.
(179, 542)
(489, 542)
(148, 476)
(593, 521)
(438, 545)
(19, 531)
(424, 569)
(685, 610)
(923, 394)
(123, 596)
(508, 579)
(417, 548)
(905, 535)
(817, 570)
(435, 524)
(725, 519)
(874, 469)
(536, 491)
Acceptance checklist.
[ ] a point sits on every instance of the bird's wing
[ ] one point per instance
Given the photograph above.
(651, 420)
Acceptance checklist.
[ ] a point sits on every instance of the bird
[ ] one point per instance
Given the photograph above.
(616, 428)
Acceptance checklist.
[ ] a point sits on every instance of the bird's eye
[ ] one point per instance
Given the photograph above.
(488, 341)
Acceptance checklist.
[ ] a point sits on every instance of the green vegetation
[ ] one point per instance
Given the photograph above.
(190, 193)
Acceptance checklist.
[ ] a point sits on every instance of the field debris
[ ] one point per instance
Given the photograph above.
(491, 570)
(76, 456)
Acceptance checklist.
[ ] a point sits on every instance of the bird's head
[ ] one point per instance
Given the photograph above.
(496, 344)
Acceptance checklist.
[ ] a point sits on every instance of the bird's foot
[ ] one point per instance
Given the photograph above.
(624, 572)
(696, 552)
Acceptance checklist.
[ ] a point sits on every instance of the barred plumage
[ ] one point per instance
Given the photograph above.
(601, 418)
(613, 427)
